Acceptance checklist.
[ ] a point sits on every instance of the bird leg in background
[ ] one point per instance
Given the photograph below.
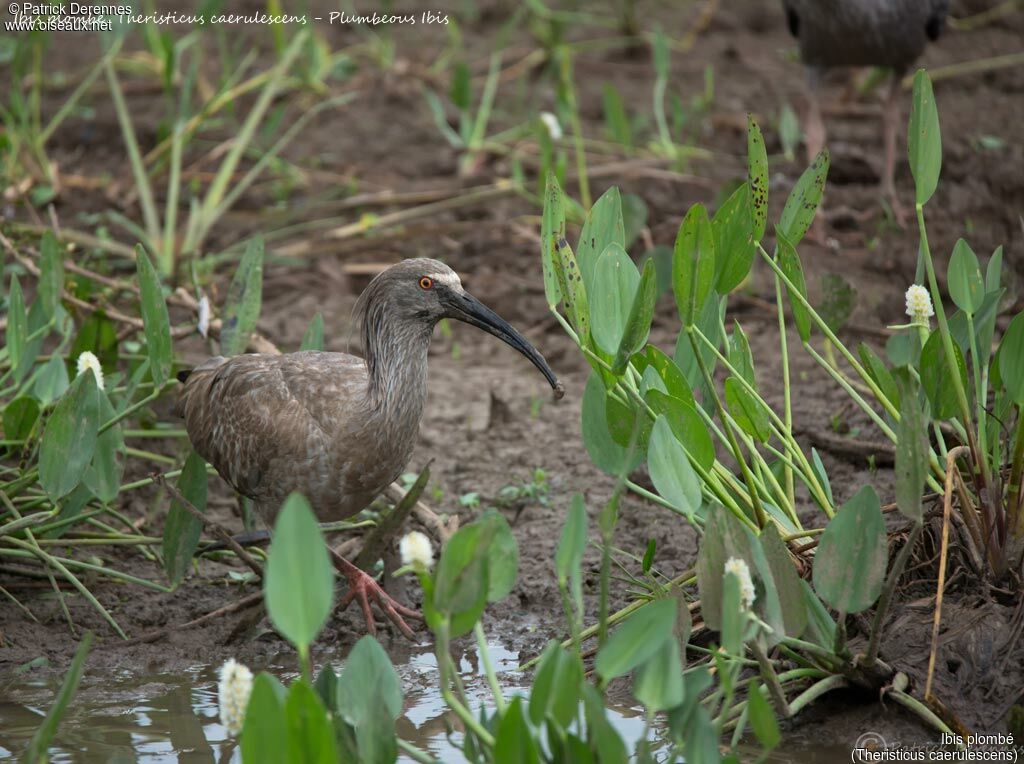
(890, 124)
(814, 139)
(363, 588)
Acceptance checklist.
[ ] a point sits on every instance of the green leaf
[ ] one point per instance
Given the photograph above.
(911, 453)
(154, 317)
(601, 732)
(460, 583)
(573, 542)
(368, 671)
(687, 426)
(994, 270)
(44, 734)
(924, 140)
(880, 373)
(614, 287)
(245, 296)
(740, 357)
(935, 377)
(966, 286)
(52, 381)
(20, 415)
(182, 530)
(762, 719)
(757, 179)
(658, 681)
(313, 339)
(641, 313)
(552, 231)
(103, 476)
(671, 472)
(574, 294)
(513, 741)
(51, 273)
(789, 262)
(310, 730)
(849, 567)
(17, 323)
(782, 583)
(502, 557)
(748, 411)
(670, 374)
(265, 730)
(637, 639)
(1011, 360)
(70, 437)
(606, 454)
(724, 537)
(693, 264)
(299, 583)
(733, 228)
(838, 299)
(556, 686)
(803, 201)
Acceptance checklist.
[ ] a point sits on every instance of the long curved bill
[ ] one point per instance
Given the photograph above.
(465, 307)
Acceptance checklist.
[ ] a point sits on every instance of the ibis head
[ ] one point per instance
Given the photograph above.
(414, 295)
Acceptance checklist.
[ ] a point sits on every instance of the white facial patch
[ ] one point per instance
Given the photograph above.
(450, 279)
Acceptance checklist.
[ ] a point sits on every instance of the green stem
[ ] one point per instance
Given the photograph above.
(485, 659)
(814, 692)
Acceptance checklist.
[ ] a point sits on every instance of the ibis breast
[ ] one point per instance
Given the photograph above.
(274, 424)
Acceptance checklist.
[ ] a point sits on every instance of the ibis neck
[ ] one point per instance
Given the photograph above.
(396, 362)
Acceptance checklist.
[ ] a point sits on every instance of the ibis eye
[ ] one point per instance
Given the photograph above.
(426, 283)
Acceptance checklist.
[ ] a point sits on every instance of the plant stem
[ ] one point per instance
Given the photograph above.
(485, 659)
(815, 691)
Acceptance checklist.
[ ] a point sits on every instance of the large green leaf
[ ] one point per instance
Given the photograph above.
(51, 273)
(732, 227)
(606, 454)
(924, 140)
(604, 226)
(552, 231)
(849, 567)
(687, 425)
(245, 297)
(1011, 360)
(311, 737)
(911, 452)
(803, 201)
(693, 264)
(461, 583)
(724, 537)
(782, 583)
(556, 686)
(966, 285)
(935, 377)
(789, 262)
(182, 529)
(299, 583)
(641, 313)
(637, 639)
(265, 730)
(748, 411)
(69, 440)
(614, 286)
(154, 318)
(762, 719)
(513, 740)
(880, 373)
(103, 476)
(368, 671)
(502, 556)
(671, 471)
(658, 681)
(20, 416)
(757, 178)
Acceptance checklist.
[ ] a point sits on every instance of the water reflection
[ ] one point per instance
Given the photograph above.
(126, 717)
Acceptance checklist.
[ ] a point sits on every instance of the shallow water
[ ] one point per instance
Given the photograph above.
(128, 717)
(131, 717)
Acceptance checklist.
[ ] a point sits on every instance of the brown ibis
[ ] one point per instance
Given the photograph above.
(885, 33)
(336, 427)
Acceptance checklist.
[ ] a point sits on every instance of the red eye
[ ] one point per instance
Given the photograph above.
(426, 283)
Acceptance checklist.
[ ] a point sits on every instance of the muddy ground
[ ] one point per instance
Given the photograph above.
(490, 421)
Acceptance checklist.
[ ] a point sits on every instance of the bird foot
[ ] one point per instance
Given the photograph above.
(364, 589)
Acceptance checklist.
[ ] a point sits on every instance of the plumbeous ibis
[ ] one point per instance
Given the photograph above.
(335, 427)
(888, 33)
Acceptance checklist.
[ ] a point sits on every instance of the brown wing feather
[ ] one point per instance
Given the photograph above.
(267, 422)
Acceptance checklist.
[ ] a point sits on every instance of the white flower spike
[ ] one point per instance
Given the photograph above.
(233, 693)
(416, 550)
(919, 305)
(551, 123)
(88, 360)
(739, 567)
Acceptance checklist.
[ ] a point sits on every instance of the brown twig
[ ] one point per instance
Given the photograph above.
(210, 524)
(246, 602)
(947, 508)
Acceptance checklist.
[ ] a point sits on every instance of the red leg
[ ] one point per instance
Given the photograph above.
(363, 588)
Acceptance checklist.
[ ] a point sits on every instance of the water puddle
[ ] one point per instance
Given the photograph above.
(132, 717)
(128, 717)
